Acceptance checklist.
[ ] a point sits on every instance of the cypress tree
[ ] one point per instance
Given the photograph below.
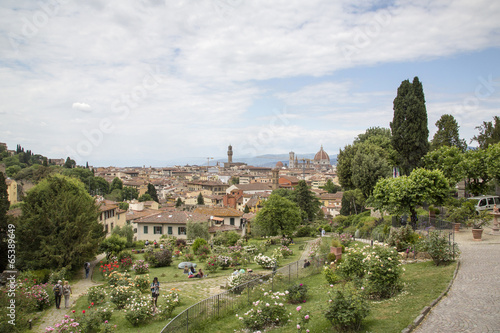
(409, 125)
(4, 207)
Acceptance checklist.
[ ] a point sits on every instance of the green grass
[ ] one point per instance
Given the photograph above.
(424, 282)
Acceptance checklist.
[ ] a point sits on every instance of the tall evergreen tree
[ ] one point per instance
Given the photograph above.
(489, 133)
(200, 199)
(4, 207)
(447, 134)
(306, 200)
(152, 192)
(116, 184)
(409, 125)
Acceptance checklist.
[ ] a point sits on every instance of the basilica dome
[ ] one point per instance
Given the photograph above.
(321, 157)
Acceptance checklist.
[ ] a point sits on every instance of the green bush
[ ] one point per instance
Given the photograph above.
(197, 243)
(96, 295)
(439, 248)
(265, 312)
(61, 274)
(297, 293)
(347, 310)
(41, 275)
(383, 272)
(353, 265)
(330, 275)
(162, 258)
(402, 238)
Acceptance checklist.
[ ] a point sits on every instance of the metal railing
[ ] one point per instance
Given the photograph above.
(228, 302)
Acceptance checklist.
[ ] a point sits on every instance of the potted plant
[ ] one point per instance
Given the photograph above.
(336, 248)
(459, 212)
(478, 223)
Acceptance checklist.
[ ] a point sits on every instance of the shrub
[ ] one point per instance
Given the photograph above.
(345, 239)
(120, 295)
(236, 280)
(61, 274)
(124, 254)
(203, 250)
(439, 248)
(265, 261)
(126, 263)
(285, 251)
(89, 320)
(250, 249)
(108, 268)
(138, 310)
(383, 272)
(41, 276)
(265, 312)
(66, 325)
(138, 244)
(163, 258)
(305, 231)
(141, 282)
(224, 261)
(296, 293)
(197, 243)
(212, 264)
(140, 267)
(352, 265)
(402, 237)
(96, 295)
(189, 257)
(330, 275)
(180, 243)
(167, 304)
(346, 310)
(119, 279)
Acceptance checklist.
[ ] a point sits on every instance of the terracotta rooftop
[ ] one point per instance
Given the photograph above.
(218, 211)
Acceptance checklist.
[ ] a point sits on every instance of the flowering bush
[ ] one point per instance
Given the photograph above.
(235, 248)
(347, 309)
(96, 295)
(269, 310)
(439, 248)
(353, 265)
(141, 282)
(120, 295)
(201, 257)
(236, 280)
(89, 320)
(126, 262)
(224, 261)
(119, 279)
(203, 250)
(250, 249)
(330, 274)
(107, 268)
(167, 304)
(345, 239)
(105, 312)
(286, 251)
(66, 325)
(314, 248)
(212, 264)
(40, 294)
(141, 267)
(383, 272)
(303, 320)
(402, 238)
(265, 261)
(297, 293)
(189, 257)
(138, 309)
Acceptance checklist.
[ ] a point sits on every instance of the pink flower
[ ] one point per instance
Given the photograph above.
(306, 317)
(298, 326)
(299, 308)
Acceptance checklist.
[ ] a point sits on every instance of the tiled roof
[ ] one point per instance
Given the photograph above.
(331, 196)
(176, 217)
(254, 187)
(222, 227)
(218, 211)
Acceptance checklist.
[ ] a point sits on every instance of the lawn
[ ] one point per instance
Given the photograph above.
(424, 282)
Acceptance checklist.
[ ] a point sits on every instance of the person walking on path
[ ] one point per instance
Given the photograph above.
(86, 266)
(155, 292)
(57, 289)
(66, 290)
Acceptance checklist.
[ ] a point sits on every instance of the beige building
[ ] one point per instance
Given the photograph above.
(11, 190)
(174, 223)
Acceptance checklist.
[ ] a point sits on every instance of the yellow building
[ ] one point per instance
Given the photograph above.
(11, 190)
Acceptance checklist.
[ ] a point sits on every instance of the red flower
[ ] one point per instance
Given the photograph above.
(92, 303)
(73, 311)
(83, 311)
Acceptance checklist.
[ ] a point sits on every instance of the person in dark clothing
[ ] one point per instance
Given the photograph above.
(58, 293)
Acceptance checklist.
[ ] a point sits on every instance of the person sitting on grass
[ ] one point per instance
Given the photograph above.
(186, 269)
(192, 270)
(235, 272)
(200, 274)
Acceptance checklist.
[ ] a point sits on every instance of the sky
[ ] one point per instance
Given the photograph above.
(162, 82)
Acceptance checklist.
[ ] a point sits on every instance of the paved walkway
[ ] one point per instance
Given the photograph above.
(54, 316)
(473, 302)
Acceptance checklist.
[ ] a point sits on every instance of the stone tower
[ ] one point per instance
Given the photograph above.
(275, 179)
(291, 162)
(230, 154)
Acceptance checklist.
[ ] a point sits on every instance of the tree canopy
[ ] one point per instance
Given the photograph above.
(447, 134)
(330, 187)
(306, 200)
(278, 216)
(152, 192)
(200, 200)
(409, 125)
(4, 207)
(59, 225)
(489, 133)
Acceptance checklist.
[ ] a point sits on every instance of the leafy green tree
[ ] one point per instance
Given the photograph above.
(12, 170)
(447, 134)
(353, 202)
(130, 193)
(284, 193)
(475, 166)
(234, 180)
(100, 186)
(278, 216)
(330, 187)
(368, 166)
(200, 200)
(178, 203)
(116, 184)
(59, 225)
(195, 229)
(115, 195)
(145, 197)
(85, 175)
(152, 192)
(403, 194)
(493, 161)
(489, 133)
(69, 163)
(409, 125)
(114, 244)
(4, 207)
(123, 205)
(126, 232)
(344, 166)
(448, 159)
(308, 203)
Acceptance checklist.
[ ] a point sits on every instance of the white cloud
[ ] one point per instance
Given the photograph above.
(81, 107)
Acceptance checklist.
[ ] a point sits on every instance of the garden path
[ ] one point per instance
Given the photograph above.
(53, 315)
(472, 303)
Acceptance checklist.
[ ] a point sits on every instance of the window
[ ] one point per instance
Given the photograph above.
(111, 226)
(106, 228)
(157, 230)
(482, 202)
(231, 221)
(182, 230)
(490, 201)
(145, 229)
(170, 232)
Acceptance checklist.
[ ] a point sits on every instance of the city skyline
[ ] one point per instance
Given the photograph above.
(153, 82)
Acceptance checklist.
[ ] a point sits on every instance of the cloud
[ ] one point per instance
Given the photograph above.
(81, 107)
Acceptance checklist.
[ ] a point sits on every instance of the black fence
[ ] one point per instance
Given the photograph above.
(196, 316)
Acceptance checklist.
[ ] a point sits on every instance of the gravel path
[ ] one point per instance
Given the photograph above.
(54, 316)
(473, 302)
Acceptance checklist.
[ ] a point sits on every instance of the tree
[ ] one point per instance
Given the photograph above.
(100, 186)
(126, 232)
(200, 200)
(114, 244)
(195, 229)
(69, 163)
(308, 203)
(409, 125)
(493, 161)
(489, 133)
(234, 180)
(330, 187)
(4, 223)
(130, 193)
(475, 167)
(152, 192)
(448, 159)
(368, 166)
(353, 202)
(59, 225)
(178, 203)
(447, 134)
(145, 197)
(344, 164)
(278, 216)
(115, 195)
(116, 184)
(123, 205)
(403, 194)
(246, 210)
